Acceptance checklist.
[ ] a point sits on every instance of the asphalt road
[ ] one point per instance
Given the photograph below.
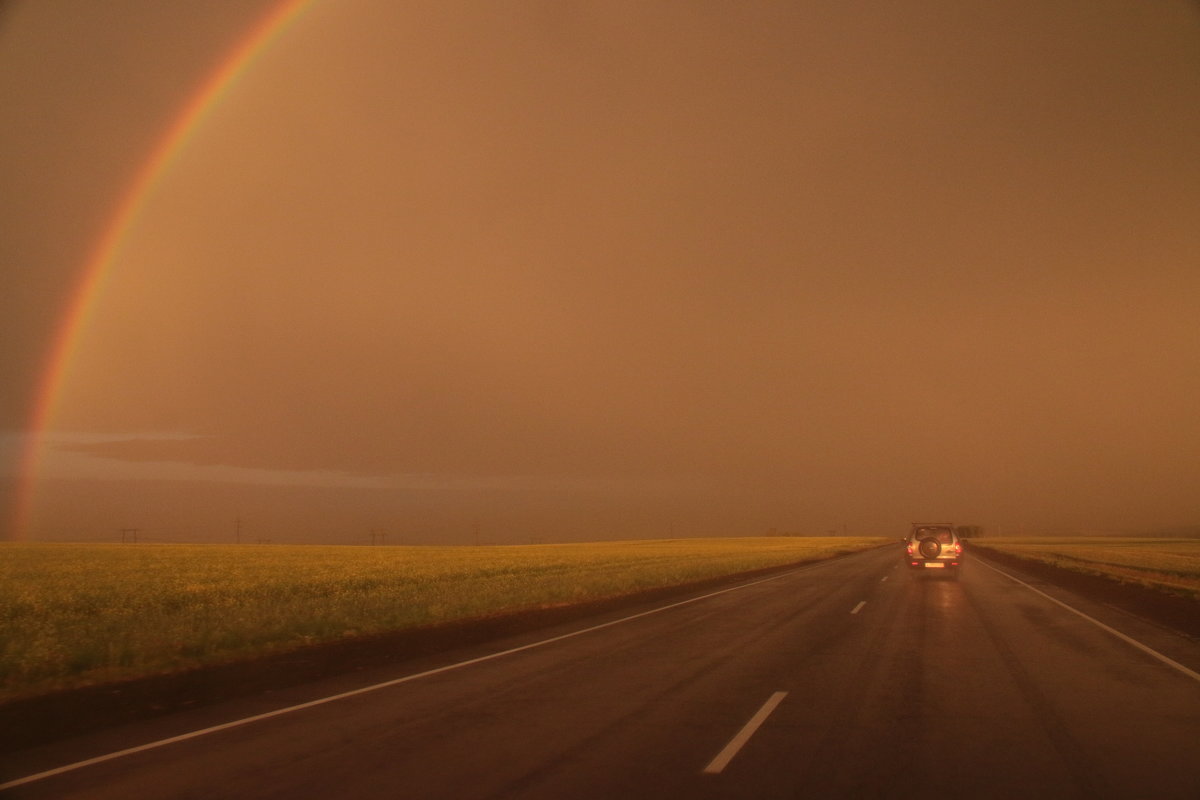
(850, 678)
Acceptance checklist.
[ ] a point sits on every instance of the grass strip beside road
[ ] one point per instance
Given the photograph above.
(1166, 565)
(75, 615)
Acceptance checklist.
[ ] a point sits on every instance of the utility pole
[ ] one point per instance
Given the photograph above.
(237, 530)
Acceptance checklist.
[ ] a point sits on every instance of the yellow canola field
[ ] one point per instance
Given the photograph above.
(79, 614)
(1167, 564)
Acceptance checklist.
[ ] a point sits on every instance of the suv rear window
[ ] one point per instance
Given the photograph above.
(943, 535)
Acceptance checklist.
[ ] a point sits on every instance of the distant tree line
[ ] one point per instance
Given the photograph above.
(968, 531)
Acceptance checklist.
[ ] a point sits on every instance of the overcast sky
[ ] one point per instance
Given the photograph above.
(547, 270)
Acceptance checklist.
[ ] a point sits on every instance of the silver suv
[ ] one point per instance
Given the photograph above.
(933, 546)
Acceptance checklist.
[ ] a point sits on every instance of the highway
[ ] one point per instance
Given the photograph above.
(848, 678)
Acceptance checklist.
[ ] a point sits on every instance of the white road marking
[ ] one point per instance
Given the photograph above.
(394, 682)
(738, 742)
(859, 607)
(1148, 650)
(884, 578)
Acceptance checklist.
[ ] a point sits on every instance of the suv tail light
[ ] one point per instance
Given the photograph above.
(958, 548)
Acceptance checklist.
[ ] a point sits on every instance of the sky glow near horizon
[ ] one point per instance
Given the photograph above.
(605, 269)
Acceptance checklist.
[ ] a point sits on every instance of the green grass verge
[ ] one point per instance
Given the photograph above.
(79, 614)
(1168, 565)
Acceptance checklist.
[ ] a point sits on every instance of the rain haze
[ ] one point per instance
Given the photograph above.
(559, 271)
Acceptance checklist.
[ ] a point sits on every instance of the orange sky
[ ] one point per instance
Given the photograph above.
(611, 269)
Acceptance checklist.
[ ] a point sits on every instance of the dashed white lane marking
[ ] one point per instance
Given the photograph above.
(738, 742)
(884, 578)
(859, 607)
(394, 682)
(1149, 651)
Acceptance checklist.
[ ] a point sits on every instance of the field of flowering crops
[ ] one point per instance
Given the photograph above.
(1167, 564)
(79, 614)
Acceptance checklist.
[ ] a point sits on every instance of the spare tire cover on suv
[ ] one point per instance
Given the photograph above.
(930, 547)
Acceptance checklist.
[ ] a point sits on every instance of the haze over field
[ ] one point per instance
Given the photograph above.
(473, 271)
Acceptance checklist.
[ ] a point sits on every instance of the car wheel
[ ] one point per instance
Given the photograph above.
(930, 548)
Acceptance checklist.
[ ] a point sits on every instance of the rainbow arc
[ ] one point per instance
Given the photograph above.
(174, 140)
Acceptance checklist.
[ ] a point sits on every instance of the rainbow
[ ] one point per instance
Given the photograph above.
(74, 319)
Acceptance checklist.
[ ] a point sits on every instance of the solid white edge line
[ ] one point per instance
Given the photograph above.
(1128, 640)
(738, 742)
(859, 607)
(394, 682)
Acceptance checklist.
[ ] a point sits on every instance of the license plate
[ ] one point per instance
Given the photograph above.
(934, 565)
